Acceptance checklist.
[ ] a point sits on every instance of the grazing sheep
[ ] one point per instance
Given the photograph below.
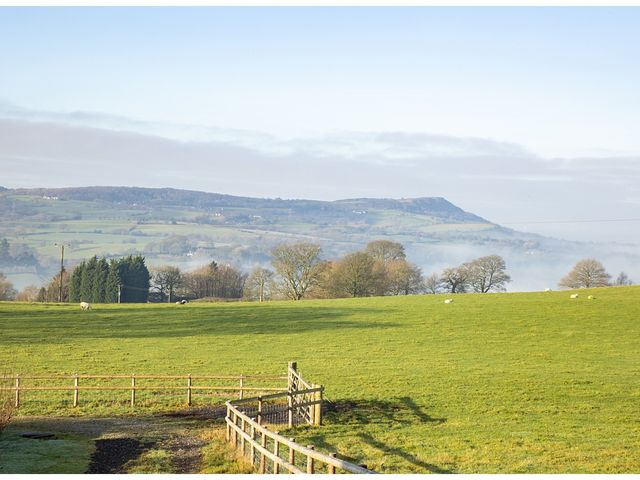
(574, 295)
(449, 300)
(591, 297)
(547, 289)
(178, 302)
(85, 306)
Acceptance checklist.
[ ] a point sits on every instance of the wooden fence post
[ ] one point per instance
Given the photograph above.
(263, 442)
(241, 387)
(17, 391)
(75, 390)
(133, 390)
(228, 426)
(260, 410)
(242, 425)
(290, 409)
(292, 453)
(276, 452)
(293, 367)
(317, 417)
(310, 460)
(235, 432)
(253, 448)
(189, 390)
(332, 468)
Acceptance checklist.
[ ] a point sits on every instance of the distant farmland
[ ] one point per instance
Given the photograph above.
(497, 383)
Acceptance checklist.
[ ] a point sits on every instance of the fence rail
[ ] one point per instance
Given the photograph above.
(18, 386)
(271, 452)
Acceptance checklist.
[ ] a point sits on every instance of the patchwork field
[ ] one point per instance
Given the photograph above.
(498, 383)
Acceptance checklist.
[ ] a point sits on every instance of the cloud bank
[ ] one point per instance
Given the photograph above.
(501, 181)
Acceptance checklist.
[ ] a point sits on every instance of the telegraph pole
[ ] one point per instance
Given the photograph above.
(61, 271)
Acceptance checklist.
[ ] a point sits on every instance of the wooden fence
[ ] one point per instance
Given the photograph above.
(271, 452)
(136, 383)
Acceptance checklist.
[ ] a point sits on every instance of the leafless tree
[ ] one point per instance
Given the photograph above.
(385, 251)
(355, 276)
(455, 280)
(403, 278)
(165, 280)
(299, 266)
(7, 292)
(432, 283)
(258, 284)
(587, 273)
(28, 294)
(623, 279)
(487, 274)
(214, 281)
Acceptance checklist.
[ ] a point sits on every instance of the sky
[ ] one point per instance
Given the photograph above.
(526, 116)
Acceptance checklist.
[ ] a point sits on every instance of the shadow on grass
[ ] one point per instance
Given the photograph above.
(398, 411)
(149, 321)
(379, 414)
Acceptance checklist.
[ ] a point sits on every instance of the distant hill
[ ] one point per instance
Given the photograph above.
(436, 207)
(191, 228)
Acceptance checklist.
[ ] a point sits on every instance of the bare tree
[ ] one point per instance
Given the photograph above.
(28, 294)
(403, 278)
(432, 283)
(7, 292)
(385, 251)
(586, 273)
(166, 280)
(455, 280)
(623, 279)
(214, 281)
(488, 273)
(299, 267)
(258, 284)
(354, 276)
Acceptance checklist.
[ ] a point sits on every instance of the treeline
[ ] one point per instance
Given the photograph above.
(379, 269)
(210, 281)
(125, 280)
(299, 271)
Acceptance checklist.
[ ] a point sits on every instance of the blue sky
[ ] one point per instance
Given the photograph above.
(560, 81)
(512, 113)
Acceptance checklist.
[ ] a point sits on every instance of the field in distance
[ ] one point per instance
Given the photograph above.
(497, 383)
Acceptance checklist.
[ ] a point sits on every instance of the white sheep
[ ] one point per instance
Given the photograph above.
(574, 295)
(547, 289)
(591, 297)
(449, 300)
(85, 306)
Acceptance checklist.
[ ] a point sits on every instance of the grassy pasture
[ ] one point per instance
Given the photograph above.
(500, 383)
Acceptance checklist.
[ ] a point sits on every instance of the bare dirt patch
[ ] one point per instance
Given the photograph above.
(121, 441)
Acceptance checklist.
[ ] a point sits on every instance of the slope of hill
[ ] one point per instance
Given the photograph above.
(190, 228)
(504, 383)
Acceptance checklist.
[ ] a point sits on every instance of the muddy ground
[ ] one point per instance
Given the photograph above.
(119, 441)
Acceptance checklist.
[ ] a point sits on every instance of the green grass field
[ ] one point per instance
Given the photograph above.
(498, 383)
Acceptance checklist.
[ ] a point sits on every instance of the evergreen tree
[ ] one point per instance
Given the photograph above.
(100, 275)
(113, 280)
(86, 280)
(75, 285)
(134, 277)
